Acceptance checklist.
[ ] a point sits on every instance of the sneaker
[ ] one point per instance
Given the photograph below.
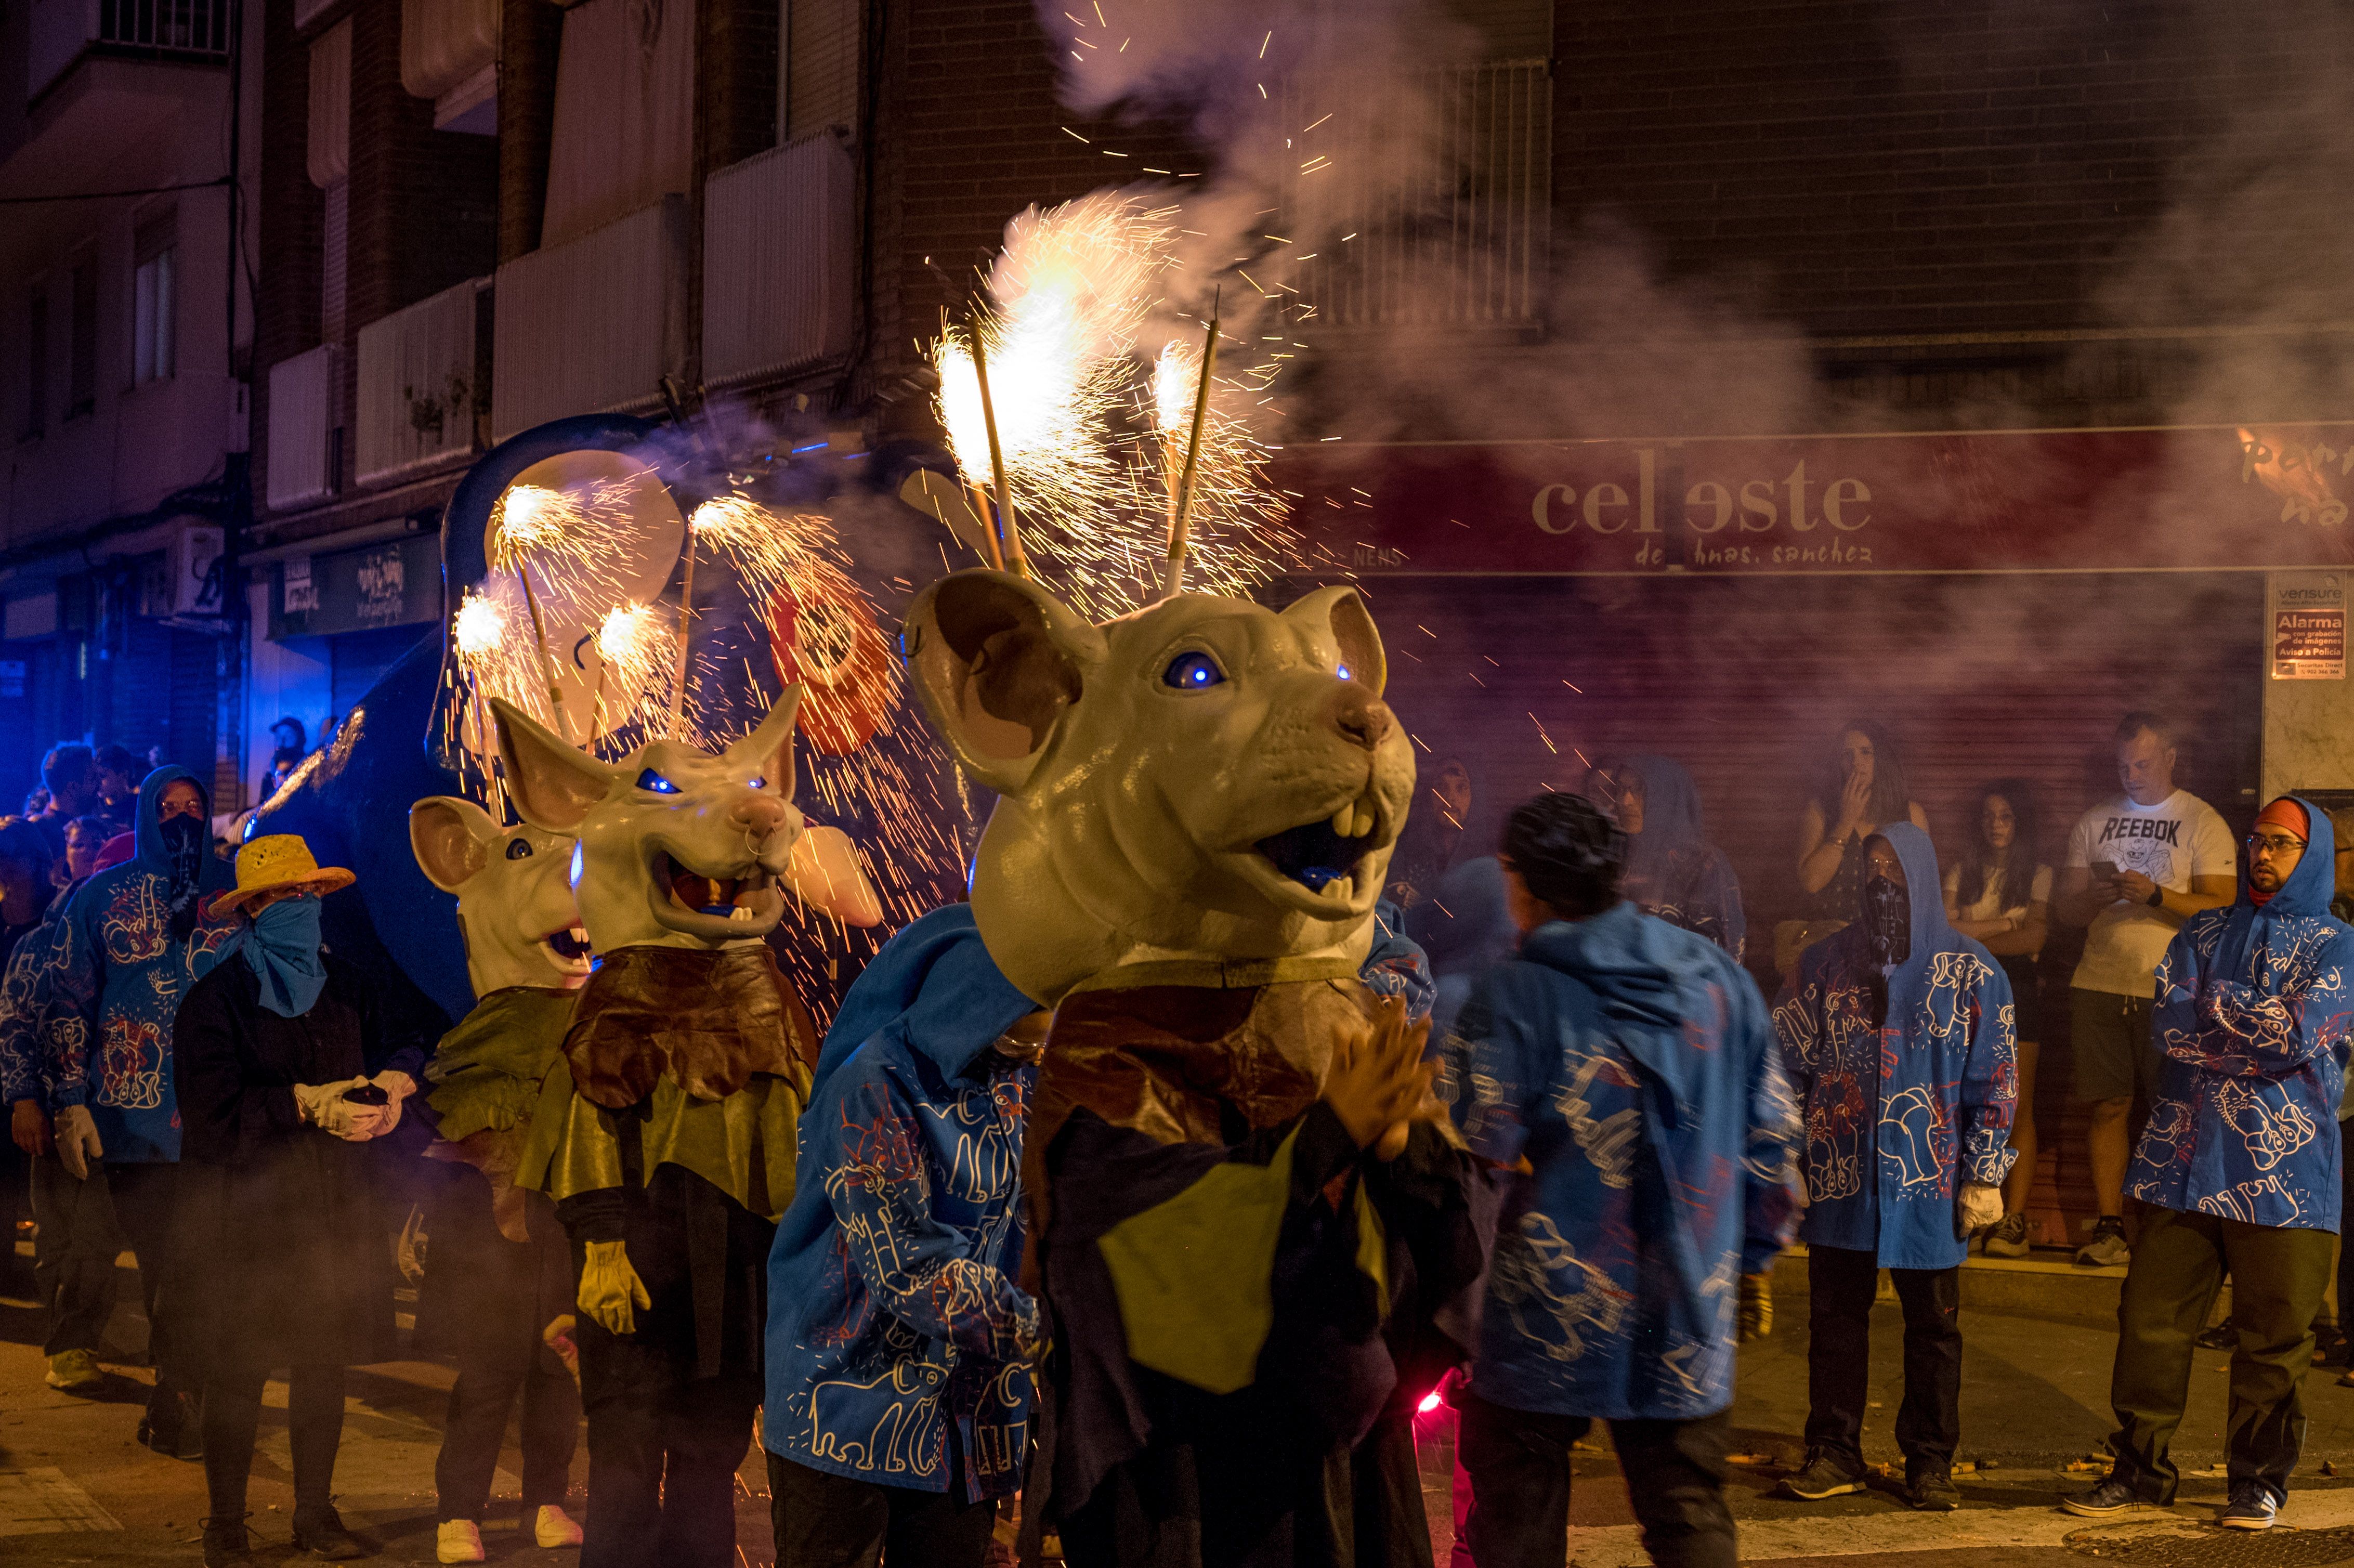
(321, 1532)
(2222, 1337)
(2110, 1499)
(552, 1528)
(74, 1371)
(458, 1540)
(2107, 1248)
(1822, 1477)
(2332, 1349)
(1932, 1492)
(171, 1428)
(2252, 1507)
(2007, 1238)
(226, 1545)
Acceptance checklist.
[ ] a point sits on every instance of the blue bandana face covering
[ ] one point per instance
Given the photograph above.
(282, 947)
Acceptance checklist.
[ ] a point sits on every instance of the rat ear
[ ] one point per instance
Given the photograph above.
(997, 660)
(452, 838)
(768, 750)
(1341, 614)
(552, 782)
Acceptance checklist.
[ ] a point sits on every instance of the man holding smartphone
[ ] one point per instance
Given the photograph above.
(2139, 865)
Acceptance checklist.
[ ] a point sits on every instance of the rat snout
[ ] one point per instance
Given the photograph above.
(1362, 718)
(759, 815)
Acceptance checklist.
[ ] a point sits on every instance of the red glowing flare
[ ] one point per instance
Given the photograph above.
(1429, 1402)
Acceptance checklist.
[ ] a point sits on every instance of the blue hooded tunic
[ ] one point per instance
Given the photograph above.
(2252, 1023)
(1897, 1115)
(1672, 871)
(1634, 1067)
(132, 943)
(892, 1307)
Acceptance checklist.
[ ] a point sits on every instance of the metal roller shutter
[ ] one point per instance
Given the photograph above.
(1746, 682)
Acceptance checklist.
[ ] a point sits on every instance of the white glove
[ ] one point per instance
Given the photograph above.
(77, 1140)
(399, 1086)
(324, 1107)
(1979, 1207)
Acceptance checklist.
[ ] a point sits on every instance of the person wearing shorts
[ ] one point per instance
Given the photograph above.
(2139, 865)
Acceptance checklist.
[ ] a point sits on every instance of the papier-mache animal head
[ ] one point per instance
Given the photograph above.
(679, 848)
(513, 885)
(1205, 779)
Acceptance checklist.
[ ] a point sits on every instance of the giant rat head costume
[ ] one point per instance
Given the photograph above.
(1203, 780)
(515, 894)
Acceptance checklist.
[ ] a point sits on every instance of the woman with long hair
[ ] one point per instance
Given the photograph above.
(2000, 892)
(1861, 789)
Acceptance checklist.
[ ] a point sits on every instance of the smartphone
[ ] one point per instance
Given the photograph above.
(2105, 871)
(367, 1095)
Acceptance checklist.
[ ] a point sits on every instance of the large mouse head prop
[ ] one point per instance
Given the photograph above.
(515, 894)
(1203, 779)
(679, 848)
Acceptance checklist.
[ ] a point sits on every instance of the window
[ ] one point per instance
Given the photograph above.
(37, 362)
(82, 391)
(155, 251)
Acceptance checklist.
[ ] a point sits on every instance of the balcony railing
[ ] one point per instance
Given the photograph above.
(305, 433)
(1448, 231)
(62, 29)
(593, 323)
(420, 385)
(778, 261)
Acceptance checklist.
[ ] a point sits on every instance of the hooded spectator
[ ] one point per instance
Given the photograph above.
(1672, 871)
(131, 944)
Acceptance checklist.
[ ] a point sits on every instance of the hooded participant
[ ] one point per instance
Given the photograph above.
(1628, 1069)
(2240, 1165)
(131, 944)
(1672, 871)
(899, 1344)
(1897, 1034)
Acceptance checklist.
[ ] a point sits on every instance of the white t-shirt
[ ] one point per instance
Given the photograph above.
(2170, 842)
(1995, 902)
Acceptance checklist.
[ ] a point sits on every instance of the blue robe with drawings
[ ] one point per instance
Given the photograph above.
(1633, 1064)
(2251, 1022)
(893, 1307)
(1898, 1114)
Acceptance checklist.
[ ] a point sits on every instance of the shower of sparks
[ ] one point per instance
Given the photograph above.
(908, 834)
(1086, 410)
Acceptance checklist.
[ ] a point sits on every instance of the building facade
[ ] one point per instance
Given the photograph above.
(126, 330)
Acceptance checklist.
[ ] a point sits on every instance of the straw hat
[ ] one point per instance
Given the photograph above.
(278, 859)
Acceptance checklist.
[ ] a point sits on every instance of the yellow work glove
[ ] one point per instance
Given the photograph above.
(1756, 1318)
(608, 1288)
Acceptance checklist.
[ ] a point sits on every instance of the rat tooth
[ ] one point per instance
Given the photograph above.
(1365, 822)
(1343, 817)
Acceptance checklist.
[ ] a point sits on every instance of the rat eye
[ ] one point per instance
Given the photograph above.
(518, 848)
(653, 781)
(1342, 670)
(1193, 671)
(755, 783)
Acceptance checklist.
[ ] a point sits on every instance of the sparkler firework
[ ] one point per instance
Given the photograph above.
(1076, 296)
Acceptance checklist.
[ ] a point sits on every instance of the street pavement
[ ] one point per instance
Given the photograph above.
(75, 1489)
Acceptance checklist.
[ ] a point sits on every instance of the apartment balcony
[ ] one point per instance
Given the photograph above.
(64, 30)
(306, 428)
(1450, 232)
(592, 324)
(778, 262)
(450, 53)
(423, 392)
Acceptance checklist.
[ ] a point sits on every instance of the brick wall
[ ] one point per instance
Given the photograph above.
(968, 133)
(1863, 167)
(288, 222)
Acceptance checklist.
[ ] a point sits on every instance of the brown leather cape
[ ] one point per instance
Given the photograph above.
(1184, 1064)
(707, 1021)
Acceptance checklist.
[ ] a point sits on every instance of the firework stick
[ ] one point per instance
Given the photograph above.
(1009, 531)
(686, 612)
(1180, 515)
(548, 664)
(981, 509)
